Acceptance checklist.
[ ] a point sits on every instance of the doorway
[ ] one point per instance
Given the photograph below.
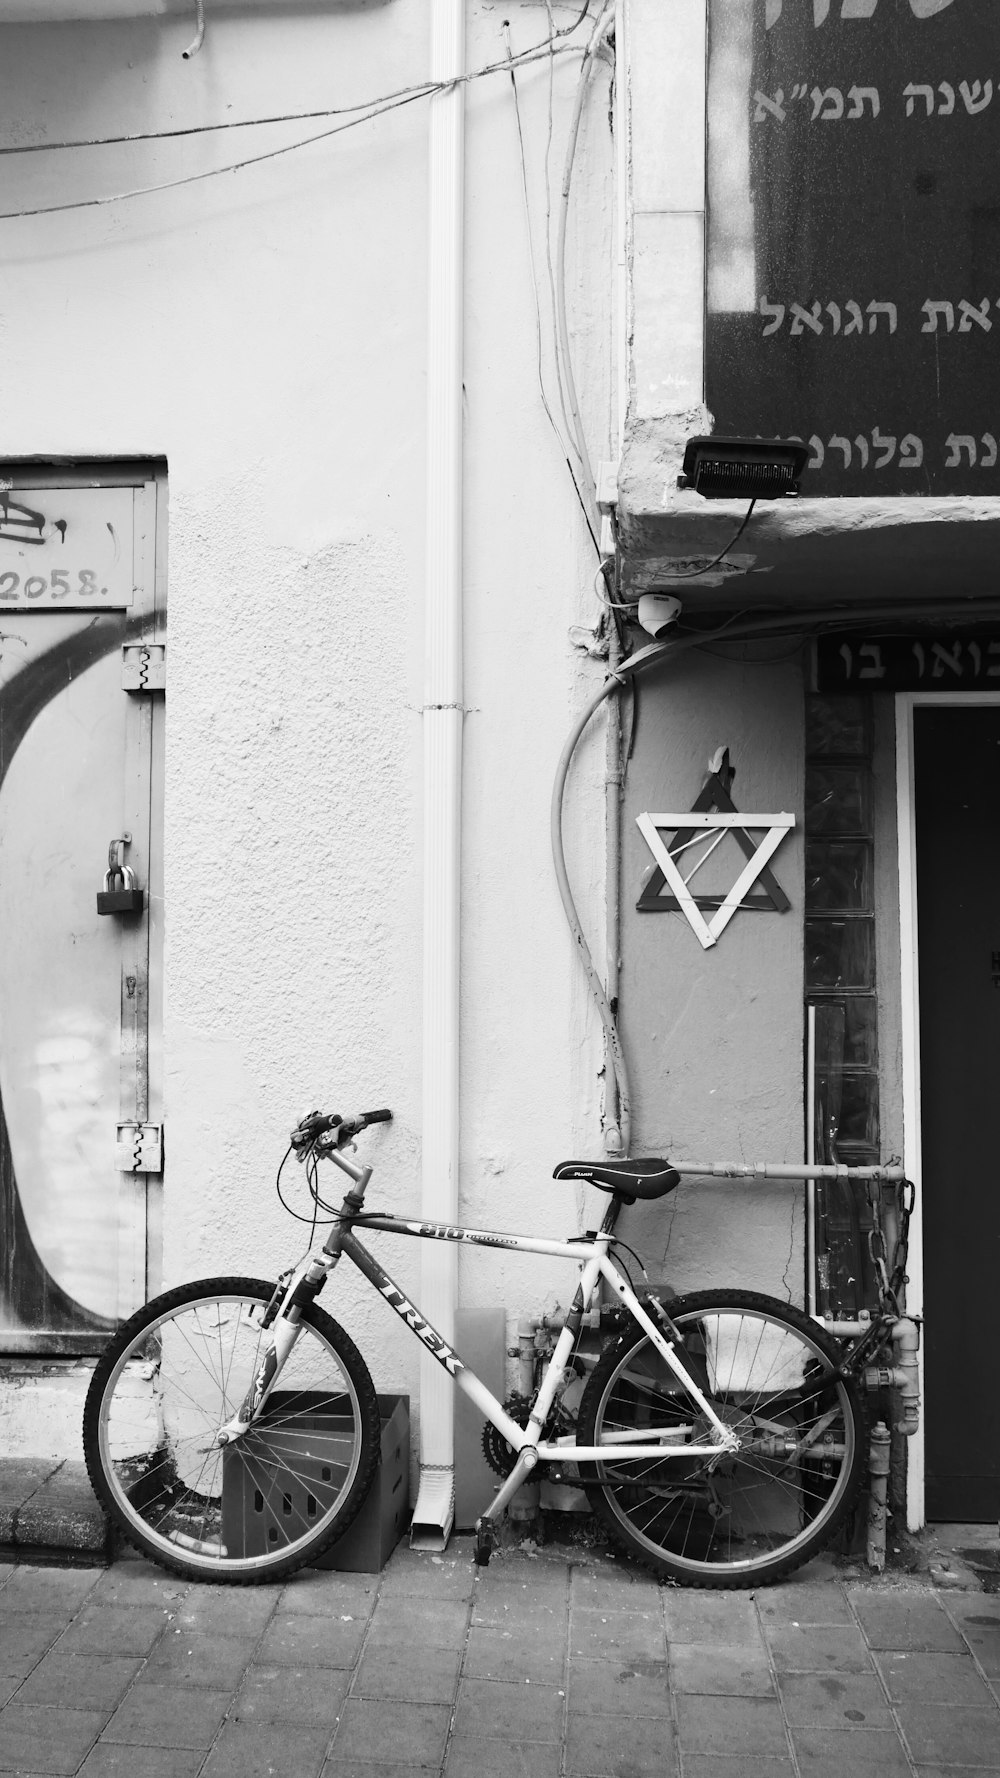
(81, 624)
(949, 785)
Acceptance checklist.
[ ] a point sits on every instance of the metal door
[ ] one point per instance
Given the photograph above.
(956, 768)
(81, 613)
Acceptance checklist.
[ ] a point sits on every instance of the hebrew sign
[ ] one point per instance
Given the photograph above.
(854, 238)
(860, 663)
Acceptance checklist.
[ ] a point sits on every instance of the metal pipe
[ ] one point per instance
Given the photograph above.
(442, 732)
(878, 1487)
(811, 1158)
(615, 1138)
(781, 1170)
(904, 1375)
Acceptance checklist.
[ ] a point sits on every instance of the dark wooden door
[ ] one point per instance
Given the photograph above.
(957, 808)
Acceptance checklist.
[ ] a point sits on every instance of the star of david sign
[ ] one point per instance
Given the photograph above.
(713, 816)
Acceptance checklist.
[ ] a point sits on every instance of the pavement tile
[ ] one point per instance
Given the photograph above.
(108, 1761)
(46, 1738)
(430, 1577)
(839, 1700)
(716, 1765)
(710, 1617)
(731, 1725)
(737, 1670)
(290, 1694)
(391, 1732)
(168, 1716)
(982, 1633)
(818, 1648)
(439, 1623)
(266, 1750)
(80, 1682)
(619, 1635)
(491, 1710)
(198, 1658)
(24, 1639)
(227, 1611)
(535, 1574)
(115, 1630)
(615, 1688)
(849, 1753)
(327, 1591)
(131, 1580)
(469, 1758)
(311, 1642)
(362, 1768)
(493, 1652)
(508, 1606)
(803, 1603)
(624, 1590)
(905, 1620)
(933, 1679)
(936, 1733)
(415, 1675)
(49, 1589)
(956, 1771)
(621, 1747)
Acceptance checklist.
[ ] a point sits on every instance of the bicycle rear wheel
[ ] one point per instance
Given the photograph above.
(771, 1375)
(272, 1500)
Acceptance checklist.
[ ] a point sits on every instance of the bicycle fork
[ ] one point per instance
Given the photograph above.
(287, 1324)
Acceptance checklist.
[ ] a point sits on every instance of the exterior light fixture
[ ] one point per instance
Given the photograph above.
(743, 468)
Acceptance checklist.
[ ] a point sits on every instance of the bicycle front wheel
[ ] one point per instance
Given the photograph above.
(772, 1377)
(272, 1500)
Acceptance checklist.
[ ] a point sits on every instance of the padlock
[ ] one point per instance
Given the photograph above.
(120, 894)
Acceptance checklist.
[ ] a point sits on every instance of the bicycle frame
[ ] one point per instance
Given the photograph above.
(595, 1265)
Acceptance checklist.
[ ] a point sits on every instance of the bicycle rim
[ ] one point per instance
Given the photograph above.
(263, 1505)
(771, 1377)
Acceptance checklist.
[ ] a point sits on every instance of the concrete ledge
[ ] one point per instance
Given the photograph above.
(49, 1511)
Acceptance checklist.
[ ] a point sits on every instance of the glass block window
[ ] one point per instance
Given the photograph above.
(840, 976)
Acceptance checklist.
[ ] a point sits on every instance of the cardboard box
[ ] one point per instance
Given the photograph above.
(257, 1494)
(367, 1544)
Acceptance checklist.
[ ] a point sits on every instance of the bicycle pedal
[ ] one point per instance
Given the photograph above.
(486, 1542)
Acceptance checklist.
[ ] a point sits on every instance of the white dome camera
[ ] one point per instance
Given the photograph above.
(657, 611)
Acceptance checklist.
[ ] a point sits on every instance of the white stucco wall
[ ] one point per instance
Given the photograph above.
(265, 332)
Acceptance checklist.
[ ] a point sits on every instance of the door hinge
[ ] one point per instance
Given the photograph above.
(139, 1148)
(144, 666)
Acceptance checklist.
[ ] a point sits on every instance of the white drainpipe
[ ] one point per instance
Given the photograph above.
(442, 716)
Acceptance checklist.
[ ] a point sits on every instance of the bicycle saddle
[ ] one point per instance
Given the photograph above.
(630, 1179)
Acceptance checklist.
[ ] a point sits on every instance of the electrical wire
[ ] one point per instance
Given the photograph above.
(420, 89)
(696, 573)
(741, 628)
(373, 109)
(563, 444)
(603, 25)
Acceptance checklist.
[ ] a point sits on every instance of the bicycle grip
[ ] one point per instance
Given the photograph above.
(377, 1117)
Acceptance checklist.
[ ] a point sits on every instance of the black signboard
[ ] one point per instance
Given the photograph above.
(854, 238)
(860, 663)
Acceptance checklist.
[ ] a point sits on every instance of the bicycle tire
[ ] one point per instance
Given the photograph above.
(773, 1375)
(270, 1501)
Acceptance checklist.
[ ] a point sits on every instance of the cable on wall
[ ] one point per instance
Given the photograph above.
(745, 628)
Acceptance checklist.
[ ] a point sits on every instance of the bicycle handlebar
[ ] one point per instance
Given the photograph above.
(318, 1123)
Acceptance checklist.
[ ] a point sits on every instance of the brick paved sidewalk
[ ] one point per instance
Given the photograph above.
(547, 1665)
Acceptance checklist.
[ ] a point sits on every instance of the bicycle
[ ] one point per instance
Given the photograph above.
(232, 1430)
